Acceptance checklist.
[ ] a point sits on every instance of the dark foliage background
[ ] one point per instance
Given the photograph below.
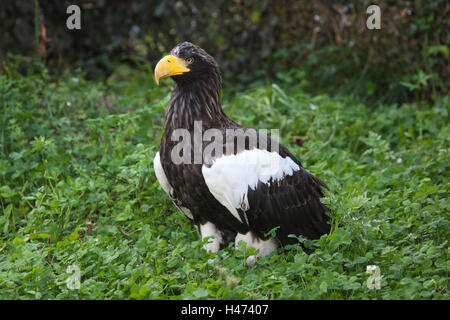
(325, 41)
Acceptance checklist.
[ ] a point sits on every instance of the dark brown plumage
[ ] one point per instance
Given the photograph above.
(291, 203)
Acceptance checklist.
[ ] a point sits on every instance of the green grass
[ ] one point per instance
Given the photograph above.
(77, 187)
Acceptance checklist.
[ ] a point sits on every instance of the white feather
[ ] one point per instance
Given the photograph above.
(265, 247)
(162, 179)
(161, 176)
(210, 230)
(186, 212)
(229, 177)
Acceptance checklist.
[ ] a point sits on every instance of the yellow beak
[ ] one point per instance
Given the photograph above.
(170, 66)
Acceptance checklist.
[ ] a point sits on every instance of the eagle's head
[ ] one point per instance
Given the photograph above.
(187, 63)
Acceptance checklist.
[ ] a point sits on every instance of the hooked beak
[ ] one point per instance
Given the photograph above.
(170, 66)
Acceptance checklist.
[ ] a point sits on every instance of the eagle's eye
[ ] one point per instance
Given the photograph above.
(189, 60)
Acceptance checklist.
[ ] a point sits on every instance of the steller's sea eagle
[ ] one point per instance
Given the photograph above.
(232, 183)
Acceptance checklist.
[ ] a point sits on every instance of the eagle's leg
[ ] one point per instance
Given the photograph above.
(209, 229)
(265, 247)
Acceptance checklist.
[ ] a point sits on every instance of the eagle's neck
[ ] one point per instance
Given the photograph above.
(195, 101)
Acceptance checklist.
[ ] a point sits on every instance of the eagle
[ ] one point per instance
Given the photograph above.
(233, 183)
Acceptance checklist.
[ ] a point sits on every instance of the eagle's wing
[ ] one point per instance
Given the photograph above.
(265, 190)
(165, 185)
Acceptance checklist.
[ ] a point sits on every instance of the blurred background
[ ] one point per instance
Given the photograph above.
(324, 42)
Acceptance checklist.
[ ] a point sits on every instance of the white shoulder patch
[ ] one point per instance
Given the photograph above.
(230, 176)
(161, 176)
